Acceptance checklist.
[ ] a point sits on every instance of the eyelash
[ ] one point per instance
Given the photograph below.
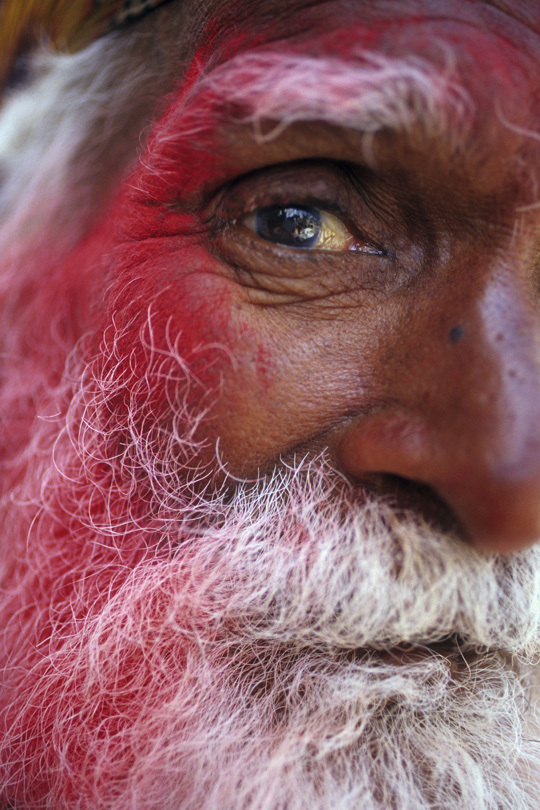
(339, 193)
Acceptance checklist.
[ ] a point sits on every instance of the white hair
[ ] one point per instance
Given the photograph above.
(370, 92)
(290, 644)
(286, 645)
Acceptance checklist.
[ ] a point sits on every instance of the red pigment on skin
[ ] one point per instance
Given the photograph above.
(181, 157)
(158, 261)
(59, 600)
(159, 254)
(398, 36)
(114, 707)
(494, 57)
(178, 282)
(154, 256)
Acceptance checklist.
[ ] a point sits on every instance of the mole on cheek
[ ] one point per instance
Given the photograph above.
(456, 334)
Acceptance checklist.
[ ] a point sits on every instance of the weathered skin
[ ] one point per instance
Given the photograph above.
(198, 610)
(358, 356)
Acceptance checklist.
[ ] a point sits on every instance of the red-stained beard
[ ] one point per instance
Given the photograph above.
(288, 643)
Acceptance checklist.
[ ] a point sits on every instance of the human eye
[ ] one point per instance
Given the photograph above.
(308, 231)
(304, 227)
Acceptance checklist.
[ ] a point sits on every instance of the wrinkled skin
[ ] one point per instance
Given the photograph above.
(420, 364)
(208, 355)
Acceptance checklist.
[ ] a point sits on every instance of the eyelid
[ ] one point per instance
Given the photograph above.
(327, 185)
(321, 184)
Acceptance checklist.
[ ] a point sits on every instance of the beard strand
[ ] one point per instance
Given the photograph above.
(247, 648)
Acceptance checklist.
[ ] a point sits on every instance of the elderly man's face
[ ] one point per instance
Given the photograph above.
(354, 230)
(265, 469)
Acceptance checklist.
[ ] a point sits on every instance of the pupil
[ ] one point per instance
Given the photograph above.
(292, 226)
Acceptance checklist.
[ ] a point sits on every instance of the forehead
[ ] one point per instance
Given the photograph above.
(366, 66)
(515, 19)
(493, 42)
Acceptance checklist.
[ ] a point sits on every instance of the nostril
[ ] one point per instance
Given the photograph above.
(472, 465)
(410, 498)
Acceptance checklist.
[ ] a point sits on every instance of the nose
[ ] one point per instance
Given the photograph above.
(461, 416)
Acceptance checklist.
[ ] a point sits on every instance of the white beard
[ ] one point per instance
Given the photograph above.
(250, 656)
(282, 703)
(252, 665)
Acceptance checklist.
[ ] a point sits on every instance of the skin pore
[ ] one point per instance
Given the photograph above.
(415, 356)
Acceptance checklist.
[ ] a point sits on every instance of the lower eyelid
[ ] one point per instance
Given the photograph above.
(305, 275)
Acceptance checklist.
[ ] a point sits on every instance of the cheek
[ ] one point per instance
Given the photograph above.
(268, 381)
(173, 309)
(166, 320)
(288, 391)
(266, 367)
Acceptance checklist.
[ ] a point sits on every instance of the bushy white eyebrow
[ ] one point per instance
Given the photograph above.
(370, 92)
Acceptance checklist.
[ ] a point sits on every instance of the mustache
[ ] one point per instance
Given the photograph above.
(300, 556)
(237, 627)
(304, 558)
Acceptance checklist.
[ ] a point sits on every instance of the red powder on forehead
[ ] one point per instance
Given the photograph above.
(478, 32)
